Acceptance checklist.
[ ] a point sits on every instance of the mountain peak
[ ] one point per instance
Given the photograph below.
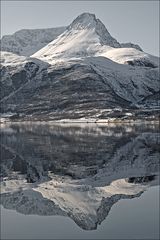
(84, 20)
(89, 21)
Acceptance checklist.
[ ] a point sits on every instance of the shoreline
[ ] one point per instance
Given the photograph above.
(105, 122)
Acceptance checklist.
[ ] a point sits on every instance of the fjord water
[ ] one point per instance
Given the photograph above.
(79, 181)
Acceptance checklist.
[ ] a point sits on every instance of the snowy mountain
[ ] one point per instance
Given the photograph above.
(84, 74)
(84, 37)
(27, 41)
(77, 171)
(87, 37)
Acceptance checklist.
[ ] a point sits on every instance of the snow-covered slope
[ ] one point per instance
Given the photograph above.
(84, 37)
(132, 57)
(9, 59)
(28, 41)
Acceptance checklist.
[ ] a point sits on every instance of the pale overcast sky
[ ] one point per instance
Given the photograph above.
(127, 21)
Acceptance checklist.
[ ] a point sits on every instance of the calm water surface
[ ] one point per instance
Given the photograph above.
(79, 181)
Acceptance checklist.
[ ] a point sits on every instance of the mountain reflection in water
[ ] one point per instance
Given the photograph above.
(79, 171)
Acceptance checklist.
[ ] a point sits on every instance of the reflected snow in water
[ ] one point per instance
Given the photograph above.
(66, 181)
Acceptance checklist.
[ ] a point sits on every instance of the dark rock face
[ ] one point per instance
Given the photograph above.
(141, 63)
(58, 92)
(141, 179)
(16, 79)
(72, 92)
(25, 203)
